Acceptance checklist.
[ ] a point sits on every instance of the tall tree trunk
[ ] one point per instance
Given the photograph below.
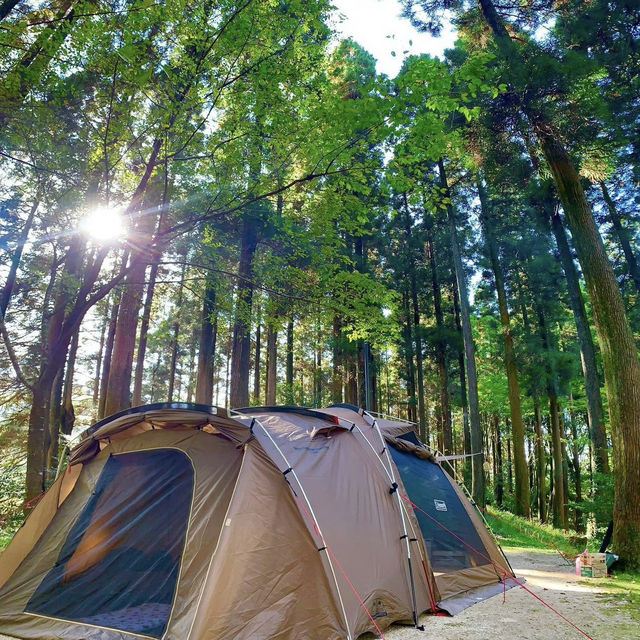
(617, 344)
(289, 367)
(351, 385)
(417, 333)
(517, 426)
(575, 464)
(499, 481)
(317, 375)
(175, 339)
(108, 355)
(207, 344)
(142, 339)
(623, 237)
(336, 378)
(10, 283)
(257, 355)
(52, 366)
(466, 434)
(410, 366)
(619, 353)
(477, 485)
(510, 462)
(587, 351)
(191, 367)
(441, 356)
(149, 193)
(96, 378)
(118, 383)
(541, 462)
(68, 413)
(272, 361)
(559, 506)
(241, 329)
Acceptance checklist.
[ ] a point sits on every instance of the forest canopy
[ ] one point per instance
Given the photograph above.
(219, 202)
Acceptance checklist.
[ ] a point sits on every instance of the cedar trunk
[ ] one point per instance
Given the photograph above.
(446, 432)
(619, 353)
(272, 361)
(522, 494)
(477, 472)
(587, 351)
(240, 357)
(206, 352)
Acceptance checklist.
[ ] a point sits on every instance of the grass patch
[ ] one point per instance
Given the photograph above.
(514, 531)
(624, 590)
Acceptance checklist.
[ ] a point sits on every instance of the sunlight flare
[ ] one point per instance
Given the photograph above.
(103, 224)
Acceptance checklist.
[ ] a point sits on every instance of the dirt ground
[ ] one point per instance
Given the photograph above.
(523, 617)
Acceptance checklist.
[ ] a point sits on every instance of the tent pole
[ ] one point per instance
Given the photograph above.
(313, 515)
(394, 489)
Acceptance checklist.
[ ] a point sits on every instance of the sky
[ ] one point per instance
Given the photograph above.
(377, 26)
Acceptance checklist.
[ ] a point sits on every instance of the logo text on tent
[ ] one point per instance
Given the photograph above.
(441, 505)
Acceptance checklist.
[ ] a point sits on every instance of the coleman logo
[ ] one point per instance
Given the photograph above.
(441, 505)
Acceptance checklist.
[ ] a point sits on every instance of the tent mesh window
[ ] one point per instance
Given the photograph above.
(118, 567)
(430, 489)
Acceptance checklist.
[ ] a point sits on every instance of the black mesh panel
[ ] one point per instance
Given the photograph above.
(119, 565)
(430, 490)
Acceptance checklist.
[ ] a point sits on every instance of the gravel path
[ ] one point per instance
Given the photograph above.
(523, 617)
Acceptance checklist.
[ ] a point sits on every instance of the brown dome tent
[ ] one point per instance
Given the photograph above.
(185, 522)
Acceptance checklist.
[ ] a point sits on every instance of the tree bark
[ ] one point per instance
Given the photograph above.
(477, 471)
(272, 361)
(466, 434)
(587, 351)
(446, 431)
(559, 506)
(575, 464)
(108, 355)
(336, 378)
(618, 348)
(96, 378)
(240, 357)
(175, 340)
(410, 366)
(257, 355)
(499, 481)
(142, 339)
(517, 426)
(118, 396)
(68, 417)
(541, 463)
(207, 342)
(289, 367)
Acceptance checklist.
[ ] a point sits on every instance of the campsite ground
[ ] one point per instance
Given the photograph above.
(604, 608)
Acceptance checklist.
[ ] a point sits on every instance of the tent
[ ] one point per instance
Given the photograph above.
(187, 522)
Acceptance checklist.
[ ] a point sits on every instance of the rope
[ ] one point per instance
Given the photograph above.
(340, 568)
(506, 576)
